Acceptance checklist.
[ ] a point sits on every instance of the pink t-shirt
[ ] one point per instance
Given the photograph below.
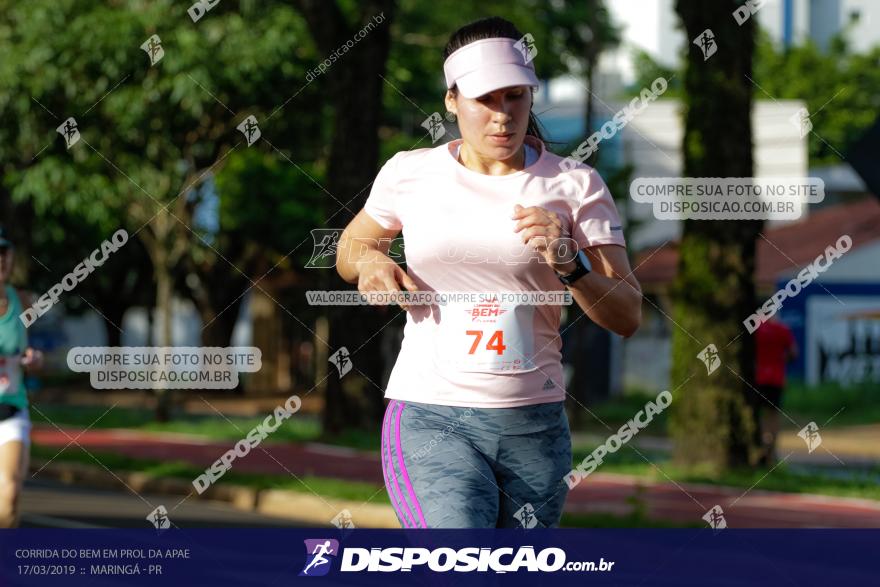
(458, 237)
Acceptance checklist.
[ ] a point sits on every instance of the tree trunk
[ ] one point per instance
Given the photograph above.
(590, 59)
(354, 89)
(114, 313)
(266, 320)
(166, 247)
(711, 422)
(164, 292)
(220, 324)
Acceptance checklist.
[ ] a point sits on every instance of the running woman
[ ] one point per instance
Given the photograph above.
(475, 434)
(15, 425)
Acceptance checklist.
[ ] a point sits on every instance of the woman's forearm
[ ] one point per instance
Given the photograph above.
(610, 302)
(350, 253)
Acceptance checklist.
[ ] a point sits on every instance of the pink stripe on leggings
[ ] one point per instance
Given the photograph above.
(390, 475)
(409, 487)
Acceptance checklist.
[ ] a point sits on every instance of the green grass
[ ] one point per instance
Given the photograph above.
(784, 478)
(615, 412)
(863, 484)
(300, 428)
(858, 404)
(610, 521)
(844, 406)
(337, 488)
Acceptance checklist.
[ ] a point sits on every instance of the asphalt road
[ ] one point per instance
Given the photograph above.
(46, 504)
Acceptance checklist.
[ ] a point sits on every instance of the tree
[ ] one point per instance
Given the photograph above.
(353, 91)
(841, 90)
(150, 135)
(122, 282)
(578, 33)
(714, 290)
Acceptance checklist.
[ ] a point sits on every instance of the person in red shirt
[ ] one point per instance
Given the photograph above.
(774, 347)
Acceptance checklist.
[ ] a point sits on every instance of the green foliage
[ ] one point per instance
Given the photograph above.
(154, 137)
(647, 70)
(841, 89)
(147, 132)
(266, 198)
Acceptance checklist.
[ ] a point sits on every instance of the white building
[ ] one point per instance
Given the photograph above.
(654, 27)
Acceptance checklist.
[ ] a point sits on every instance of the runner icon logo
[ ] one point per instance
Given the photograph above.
(526, 46)
(342, 361)
(706, 43)
(526, 516)
(710, 358)
(325, 242)
(810, 435)
(70, 131)
(319, 553)
(343, 520)
(250, 129)
(715, 518)
(159, 518)
(434, 125)
(153, 48)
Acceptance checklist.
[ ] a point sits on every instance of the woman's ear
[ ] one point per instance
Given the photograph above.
(449, 100)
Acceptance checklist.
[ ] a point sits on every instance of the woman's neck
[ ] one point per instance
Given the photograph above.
(487, 166)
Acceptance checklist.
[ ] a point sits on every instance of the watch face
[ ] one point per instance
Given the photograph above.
(583, 267)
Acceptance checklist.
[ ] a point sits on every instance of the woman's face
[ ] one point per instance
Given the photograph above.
(5, 264)
(493, 124)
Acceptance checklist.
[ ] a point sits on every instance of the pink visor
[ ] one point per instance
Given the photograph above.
(487, 65)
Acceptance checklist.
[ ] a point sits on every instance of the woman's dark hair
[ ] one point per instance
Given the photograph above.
(490, 28)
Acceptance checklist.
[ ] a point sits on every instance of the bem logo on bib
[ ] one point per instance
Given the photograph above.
(487, 310)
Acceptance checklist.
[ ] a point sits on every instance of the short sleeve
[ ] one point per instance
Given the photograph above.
(381, 204)
(596, 221)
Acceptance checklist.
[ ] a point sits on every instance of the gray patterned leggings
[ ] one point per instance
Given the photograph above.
(462, 467)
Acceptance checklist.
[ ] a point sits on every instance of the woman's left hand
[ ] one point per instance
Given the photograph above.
(544, 233)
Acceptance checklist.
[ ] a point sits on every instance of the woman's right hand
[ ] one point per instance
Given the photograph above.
(377, 272)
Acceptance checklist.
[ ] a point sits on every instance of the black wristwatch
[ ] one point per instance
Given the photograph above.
(583, 267)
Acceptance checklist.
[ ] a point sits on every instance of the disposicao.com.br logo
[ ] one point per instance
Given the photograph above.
(320, 553)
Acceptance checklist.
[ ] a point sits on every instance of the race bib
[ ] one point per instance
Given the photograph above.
(485, 337)
(10, 374)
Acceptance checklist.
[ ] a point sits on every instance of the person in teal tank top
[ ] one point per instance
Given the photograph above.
(15, 357)
(13, 343)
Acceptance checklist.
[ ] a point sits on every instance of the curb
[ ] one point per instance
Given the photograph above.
(280, 503)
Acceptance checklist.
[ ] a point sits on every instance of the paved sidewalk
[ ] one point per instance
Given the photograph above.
(600, 493)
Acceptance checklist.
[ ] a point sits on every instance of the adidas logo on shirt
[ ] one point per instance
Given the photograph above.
(548, 384)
